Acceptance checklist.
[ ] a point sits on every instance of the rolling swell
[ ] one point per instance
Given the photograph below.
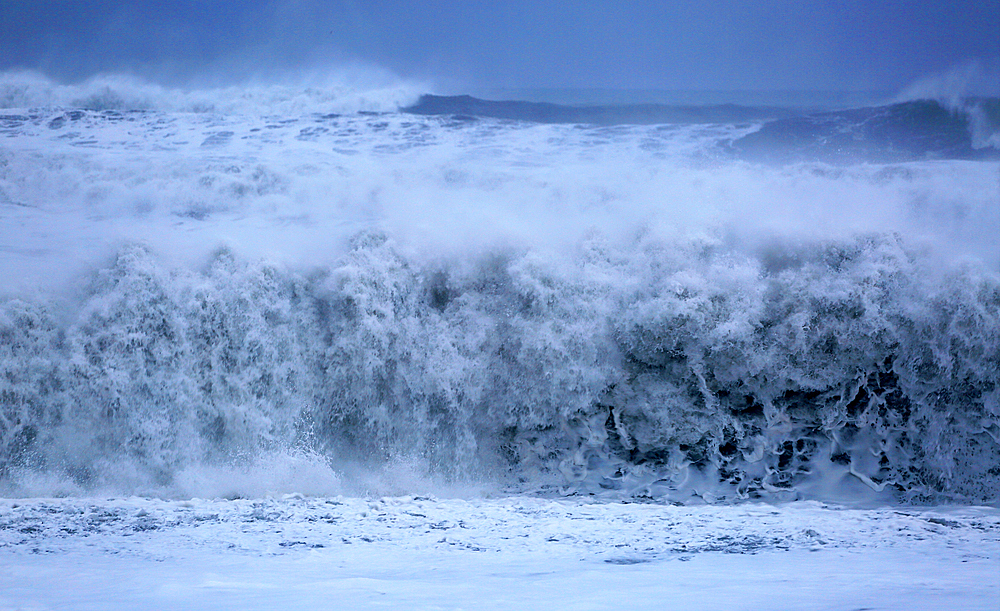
(638, 368)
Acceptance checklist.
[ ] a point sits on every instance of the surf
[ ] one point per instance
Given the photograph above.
(684, 310)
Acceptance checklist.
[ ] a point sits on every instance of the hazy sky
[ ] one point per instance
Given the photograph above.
(719, 44)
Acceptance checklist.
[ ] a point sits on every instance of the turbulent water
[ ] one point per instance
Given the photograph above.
(237, 291)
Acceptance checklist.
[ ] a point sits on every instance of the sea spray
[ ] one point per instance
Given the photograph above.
(642, 368)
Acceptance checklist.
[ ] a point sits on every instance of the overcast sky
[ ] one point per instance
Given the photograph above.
(716, 44)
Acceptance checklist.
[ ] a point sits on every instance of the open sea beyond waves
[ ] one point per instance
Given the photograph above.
(241, 291)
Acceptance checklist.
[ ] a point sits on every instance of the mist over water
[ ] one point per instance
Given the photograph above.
(258, 289)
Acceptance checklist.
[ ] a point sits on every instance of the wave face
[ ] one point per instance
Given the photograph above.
(234, 304)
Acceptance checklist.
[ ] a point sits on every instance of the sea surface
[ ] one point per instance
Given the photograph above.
(247, 291)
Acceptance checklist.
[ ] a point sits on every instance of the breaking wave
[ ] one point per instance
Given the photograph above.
(643, 368)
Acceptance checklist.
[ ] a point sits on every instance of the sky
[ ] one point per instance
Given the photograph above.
(847, 45)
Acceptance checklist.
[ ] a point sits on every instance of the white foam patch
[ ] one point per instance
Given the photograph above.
(507, 553)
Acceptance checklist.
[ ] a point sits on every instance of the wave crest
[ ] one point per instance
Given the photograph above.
(343, 93)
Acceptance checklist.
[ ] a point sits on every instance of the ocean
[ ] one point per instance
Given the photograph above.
(271, 295)
(673, 302)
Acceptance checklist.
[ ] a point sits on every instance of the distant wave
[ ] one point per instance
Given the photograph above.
(957, 128)
(632, 114)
